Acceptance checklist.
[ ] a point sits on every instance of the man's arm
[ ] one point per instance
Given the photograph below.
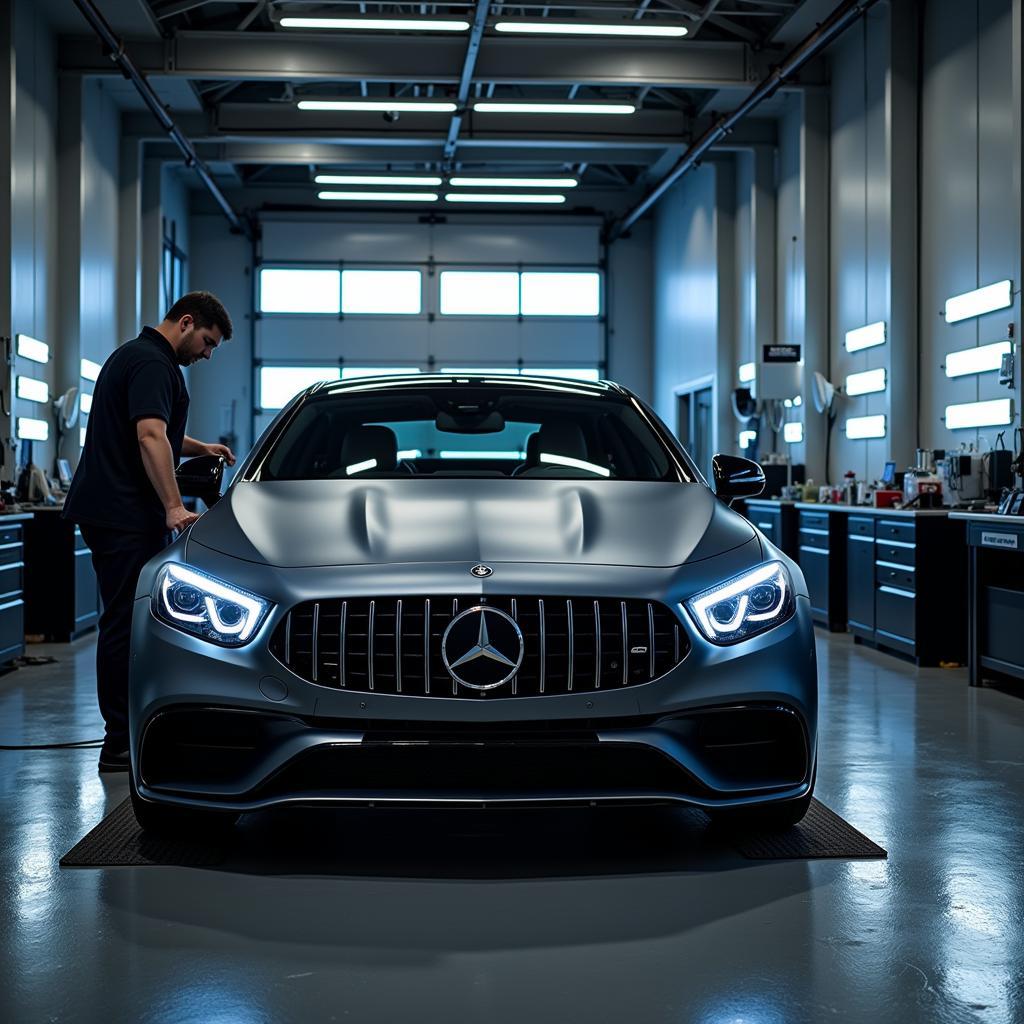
(158, 461)
(191, 447)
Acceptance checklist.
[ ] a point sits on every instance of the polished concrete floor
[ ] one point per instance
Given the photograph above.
(550, 916)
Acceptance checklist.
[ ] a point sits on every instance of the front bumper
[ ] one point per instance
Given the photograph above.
(233, 728)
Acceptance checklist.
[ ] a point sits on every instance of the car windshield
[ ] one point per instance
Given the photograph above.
(466, 429)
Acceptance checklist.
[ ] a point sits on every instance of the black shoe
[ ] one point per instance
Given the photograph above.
(113, 760)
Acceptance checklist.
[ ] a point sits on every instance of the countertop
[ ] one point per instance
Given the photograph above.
(817, 506)
(989, 517)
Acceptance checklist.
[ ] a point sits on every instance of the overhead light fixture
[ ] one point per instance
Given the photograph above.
(504, 197)
(382, 106)
(793, 433)
(81, 437)
(379, 24)
(90, 370)
(460, 182)
(979, 301)
(860, 427)
(516, 107)
(748, 372)
(85, 402)
(448, 453)
(995, 413)
(865, 337)
(377, 179)
(977, 360)
(866, 382)
(572, 28)
(747, 438)
(379, 197)
(33, 430)
(33, 390)
(32, 348)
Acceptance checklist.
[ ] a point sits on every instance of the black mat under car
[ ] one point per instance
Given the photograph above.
(117, 841)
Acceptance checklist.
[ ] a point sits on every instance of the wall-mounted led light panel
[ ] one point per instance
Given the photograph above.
(747, 372)
(85, 402)
(865, 337)
(81, 437)
(33, 430)
(981, 300)
(976, 360)
(866, 382)
(33, 390)
(90, 370)
(747, 438)
(995, 413)
(32, 348)
(860, 427)
(793, 433)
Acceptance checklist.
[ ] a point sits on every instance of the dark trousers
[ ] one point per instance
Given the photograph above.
(118, 556)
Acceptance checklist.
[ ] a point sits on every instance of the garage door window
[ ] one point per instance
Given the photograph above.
(479, 293)
(294, 290)
(559, 294)
(279, 384)
(382, 292)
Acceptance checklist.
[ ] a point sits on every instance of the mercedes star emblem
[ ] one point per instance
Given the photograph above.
(482, 648)
(481, 571)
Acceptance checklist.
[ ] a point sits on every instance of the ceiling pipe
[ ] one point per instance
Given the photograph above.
(118, 55)
(832, 27)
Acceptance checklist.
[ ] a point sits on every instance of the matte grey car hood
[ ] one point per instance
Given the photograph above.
(349, 522)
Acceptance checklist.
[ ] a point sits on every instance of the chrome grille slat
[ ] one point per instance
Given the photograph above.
(352, 643)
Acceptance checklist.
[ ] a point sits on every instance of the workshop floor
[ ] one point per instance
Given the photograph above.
(549, 916)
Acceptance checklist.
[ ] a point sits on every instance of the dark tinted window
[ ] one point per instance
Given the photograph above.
(460, 429)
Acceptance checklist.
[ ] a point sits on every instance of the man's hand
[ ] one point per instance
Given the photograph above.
(221, 449)
(179, 518)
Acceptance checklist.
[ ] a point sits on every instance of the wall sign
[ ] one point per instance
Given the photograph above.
(780, 353)
(999, 540)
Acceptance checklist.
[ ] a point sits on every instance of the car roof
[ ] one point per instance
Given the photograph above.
(532, 382)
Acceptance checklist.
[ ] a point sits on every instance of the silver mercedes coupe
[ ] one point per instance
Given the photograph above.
(476, 591)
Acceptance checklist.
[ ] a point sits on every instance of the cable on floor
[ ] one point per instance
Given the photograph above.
(71, 745)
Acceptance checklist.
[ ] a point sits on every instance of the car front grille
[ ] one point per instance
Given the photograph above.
(392, 645)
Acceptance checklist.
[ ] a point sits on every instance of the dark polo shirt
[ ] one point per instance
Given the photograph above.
(141, 379)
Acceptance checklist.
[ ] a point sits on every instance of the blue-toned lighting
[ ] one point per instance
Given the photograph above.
(979, 301)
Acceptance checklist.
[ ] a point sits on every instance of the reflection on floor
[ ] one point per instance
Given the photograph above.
(561, 916)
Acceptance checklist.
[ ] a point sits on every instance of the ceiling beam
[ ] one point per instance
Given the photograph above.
(466, 79)
(267, 56)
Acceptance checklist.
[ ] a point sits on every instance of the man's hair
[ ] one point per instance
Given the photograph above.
(205, 308)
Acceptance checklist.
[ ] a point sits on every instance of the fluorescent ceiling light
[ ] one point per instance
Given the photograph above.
(514, 107)
(85, 402)
(379, 24)
(379, 197)
(977, 360)
(865, 337)
(504, 197)
(376, 179)
(451, 454)
(747, 438)
(793, 433)
(577, 29)
(865, 383)
(90, 370)
(32, 348)
(81, 437)
(860, 427)
(459, 182)
(748, 371)
(404, 106)
(410, 453)
(33, 390)
(360, 467)
(995, 413)
(981, 300)
(33, 430)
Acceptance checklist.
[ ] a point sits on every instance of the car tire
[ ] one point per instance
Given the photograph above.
(763, 818)
(179, 822)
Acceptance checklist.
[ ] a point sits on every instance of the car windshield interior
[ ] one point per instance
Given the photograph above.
(467, 430)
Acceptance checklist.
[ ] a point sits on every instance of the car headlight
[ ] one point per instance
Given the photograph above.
(745, 605)
(207, 607)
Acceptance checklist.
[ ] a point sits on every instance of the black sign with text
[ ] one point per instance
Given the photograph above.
(781, 354)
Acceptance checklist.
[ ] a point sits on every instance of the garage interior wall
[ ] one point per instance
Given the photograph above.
(847, 181)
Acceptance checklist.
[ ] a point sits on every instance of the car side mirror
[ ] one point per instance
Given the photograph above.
(201, 477)
(736, 477)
